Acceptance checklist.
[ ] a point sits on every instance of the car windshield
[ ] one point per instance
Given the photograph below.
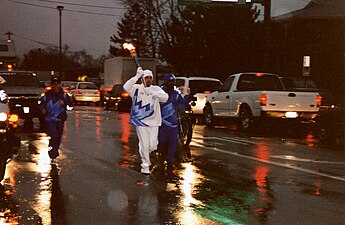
(21, 79)
(202, 86)
(67, 84)
(254, 82)
(179, 82)
(87, 86)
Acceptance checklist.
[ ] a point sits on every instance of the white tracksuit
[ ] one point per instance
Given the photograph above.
(146, 116)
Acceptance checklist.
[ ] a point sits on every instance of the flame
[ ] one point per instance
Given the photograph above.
(128, 46)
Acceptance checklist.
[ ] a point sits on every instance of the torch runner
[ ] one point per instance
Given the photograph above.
(131, 49)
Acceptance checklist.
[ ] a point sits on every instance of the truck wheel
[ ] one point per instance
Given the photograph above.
(246, 119)
(323, 133)
(208, 115)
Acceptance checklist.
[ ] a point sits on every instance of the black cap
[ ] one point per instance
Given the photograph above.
(55, 79)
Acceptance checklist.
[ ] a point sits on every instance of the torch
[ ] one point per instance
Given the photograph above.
(131, 49)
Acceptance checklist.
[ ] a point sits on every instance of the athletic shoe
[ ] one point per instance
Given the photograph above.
(145, 171)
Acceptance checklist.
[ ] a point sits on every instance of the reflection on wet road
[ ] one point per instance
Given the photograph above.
(233, 179)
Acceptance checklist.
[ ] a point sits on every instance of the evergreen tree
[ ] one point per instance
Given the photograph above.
(213, 41)
(136, 27)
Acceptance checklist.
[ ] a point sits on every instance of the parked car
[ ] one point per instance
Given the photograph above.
(329, 126)
(117, 98)
(201, 87)
(85, 92)
(45, 84)
(68, 85)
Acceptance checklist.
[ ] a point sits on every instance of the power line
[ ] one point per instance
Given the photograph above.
(69, 10)
(84, 5)
(38, 42)
(48, 44)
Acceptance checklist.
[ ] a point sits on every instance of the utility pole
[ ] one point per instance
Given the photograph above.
(60, 8)
(9, 35)
(267, 30)
(267, 13)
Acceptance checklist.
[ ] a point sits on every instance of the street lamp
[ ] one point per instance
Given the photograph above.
(60, 8)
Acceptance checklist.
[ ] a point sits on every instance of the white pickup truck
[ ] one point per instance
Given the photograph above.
(251, 96)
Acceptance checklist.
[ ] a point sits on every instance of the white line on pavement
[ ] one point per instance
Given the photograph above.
(275, 163)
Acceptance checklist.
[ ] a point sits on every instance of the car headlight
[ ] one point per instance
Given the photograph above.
(3, 116)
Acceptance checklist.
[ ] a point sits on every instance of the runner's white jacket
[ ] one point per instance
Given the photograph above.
(145, 109)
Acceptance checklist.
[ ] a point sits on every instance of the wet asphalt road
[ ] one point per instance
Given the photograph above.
(281, 177)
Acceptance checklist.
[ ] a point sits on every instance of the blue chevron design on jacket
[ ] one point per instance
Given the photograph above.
(139, 112)
(168, 115)
(55, 110)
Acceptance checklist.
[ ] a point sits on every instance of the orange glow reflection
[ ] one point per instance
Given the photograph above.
(125, 133)
(310, 140)
(98, 126)
(190, 179)
(262, 186)
(260, 178)
(42, 206)
(42, 197)
(8, 213)
(317, 187)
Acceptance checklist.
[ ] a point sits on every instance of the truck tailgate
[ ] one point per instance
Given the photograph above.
(291, 101)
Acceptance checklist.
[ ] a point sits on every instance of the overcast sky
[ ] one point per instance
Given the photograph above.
(37, 21)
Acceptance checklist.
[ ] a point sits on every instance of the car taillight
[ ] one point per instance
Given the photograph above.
(48, 88)
(318, 100)
(263, 99)
(97, 92)
(124, 94)
(14, 118)
(207, 92)
(77, 92)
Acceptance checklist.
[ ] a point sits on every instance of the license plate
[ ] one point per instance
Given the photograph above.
(26, 109)
(291, 114)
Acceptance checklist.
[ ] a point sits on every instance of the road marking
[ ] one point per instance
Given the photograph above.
(293, 158)
(221, 139)
(231, 139)
(276, 163)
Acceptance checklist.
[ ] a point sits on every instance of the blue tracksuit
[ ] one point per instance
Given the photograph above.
(168, 132)
(55, 118)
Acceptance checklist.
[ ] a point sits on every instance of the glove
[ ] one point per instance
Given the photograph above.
(140, 72)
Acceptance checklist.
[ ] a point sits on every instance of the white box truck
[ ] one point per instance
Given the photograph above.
(118, 70)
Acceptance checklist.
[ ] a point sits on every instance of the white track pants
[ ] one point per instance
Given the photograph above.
(148, 141)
